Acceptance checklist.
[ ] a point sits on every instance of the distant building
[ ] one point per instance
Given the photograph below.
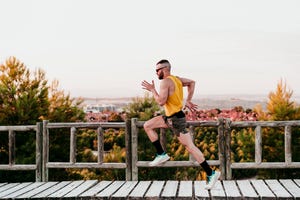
(99, 108)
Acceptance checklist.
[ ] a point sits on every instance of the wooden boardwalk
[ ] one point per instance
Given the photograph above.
(94, 189)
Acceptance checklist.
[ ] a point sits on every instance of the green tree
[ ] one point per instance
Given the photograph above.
(23, 96)
(62, 107)
(142, 108)
(280, 106)
(26, 98)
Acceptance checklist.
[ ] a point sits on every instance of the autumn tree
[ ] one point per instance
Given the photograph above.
(280, 106)
(23, 96)
(26, 98)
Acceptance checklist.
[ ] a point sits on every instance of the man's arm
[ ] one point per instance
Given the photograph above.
(162, 96)
(190, 84)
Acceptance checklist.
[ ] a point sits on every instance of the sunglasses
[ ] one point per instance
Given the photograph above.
(157, 70)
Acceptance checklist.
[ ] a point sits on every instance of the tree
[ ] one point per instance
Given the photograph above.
(142, 108)
(26, 98)
(23, 96)
(280, 106)
(62, 107)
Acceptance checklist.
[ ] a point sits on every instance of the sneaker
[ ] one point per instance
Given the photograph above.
(159, 159)
(212, 179)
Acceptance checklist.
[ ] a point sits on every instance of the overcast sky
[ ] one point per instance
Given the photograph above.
(98, 48)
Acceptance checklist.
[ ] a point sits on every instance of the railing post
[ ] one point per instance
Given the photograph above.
(11, 147)
(287, 144)
(73, 145)
(227, 143)
(258, 145)
(45, 151)
(221, 147)
(128, 150)
(134, 145)
(100, 146)
(39, 152)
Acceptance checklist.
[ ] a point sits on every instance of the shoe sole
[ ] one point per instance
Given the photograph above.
(159, 163)
(218, 174)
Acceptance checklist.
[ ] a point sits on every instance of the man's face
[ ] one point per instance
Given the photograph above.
(159, 71)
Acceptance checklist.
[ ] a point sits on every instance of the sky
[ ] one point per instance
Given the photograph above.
(105, 49)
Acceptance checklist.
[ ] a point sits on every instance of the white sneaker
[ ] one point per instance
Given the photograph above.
(159, 159)
(212, 179)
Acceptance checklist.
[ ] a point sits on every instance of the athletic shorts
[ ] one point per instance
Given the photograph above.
(176, 122)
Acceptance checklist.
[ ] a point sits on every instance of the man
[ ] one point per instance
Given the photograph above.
(171, 97)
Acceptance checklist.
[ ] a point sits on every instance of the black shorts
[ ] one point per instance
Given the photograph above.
(176, 122)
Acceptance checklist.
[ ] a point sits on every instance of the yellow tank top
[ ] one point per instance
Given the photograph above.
(174, 102)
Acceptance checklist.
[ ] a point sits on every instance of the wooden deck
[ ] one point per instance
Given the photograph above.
(94, 189)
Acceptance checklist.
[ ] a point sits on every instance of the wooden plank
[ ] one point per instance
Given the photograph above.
(170, 189)
(231, 190)
(125, 189)
(57, 186)
(217, 191)
(278, 189)
(200, 191)
(81, 188)
(140, 189)
(297, 181)
(107, 192)
(1, 184)
(185, 189)
(96, 189)
(246, 189)
(8, 186)
(65, 190)
(25, 190)
(291, 187)
(37, 190)
(262, 189)
(13, 189)
(86, 165)
(155, 189)
(18, 128)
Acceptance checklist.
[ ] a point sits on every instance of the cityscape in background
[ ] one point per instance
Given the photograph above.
(206, 102)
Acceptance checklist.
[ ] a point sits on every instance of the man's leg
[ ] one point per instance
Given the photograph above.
(149, 126)
(212, 176)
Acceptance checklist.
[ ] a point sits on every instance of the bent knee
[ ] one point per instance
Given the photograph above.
(147, 125)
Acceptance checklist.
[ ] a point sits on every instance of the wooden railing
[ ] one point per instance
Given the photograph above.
(259, 164)
(12, 152)
(131, 165)
(191, 162)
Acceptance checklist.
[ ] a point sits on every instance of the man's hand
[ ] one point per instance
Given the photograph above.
(191, 106)
(148, 86)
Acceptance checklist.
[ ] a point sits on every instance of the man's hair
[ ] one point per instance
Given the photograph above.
(166, 62)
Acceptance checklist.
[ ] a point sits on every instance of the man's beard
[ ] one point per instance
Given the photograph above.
(161, 76)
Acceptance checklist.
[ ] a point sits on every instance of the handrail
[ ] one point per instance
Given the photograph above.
(73, 131)
(11, 148)
(259, 164)
(131, 165)
(135, 124)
